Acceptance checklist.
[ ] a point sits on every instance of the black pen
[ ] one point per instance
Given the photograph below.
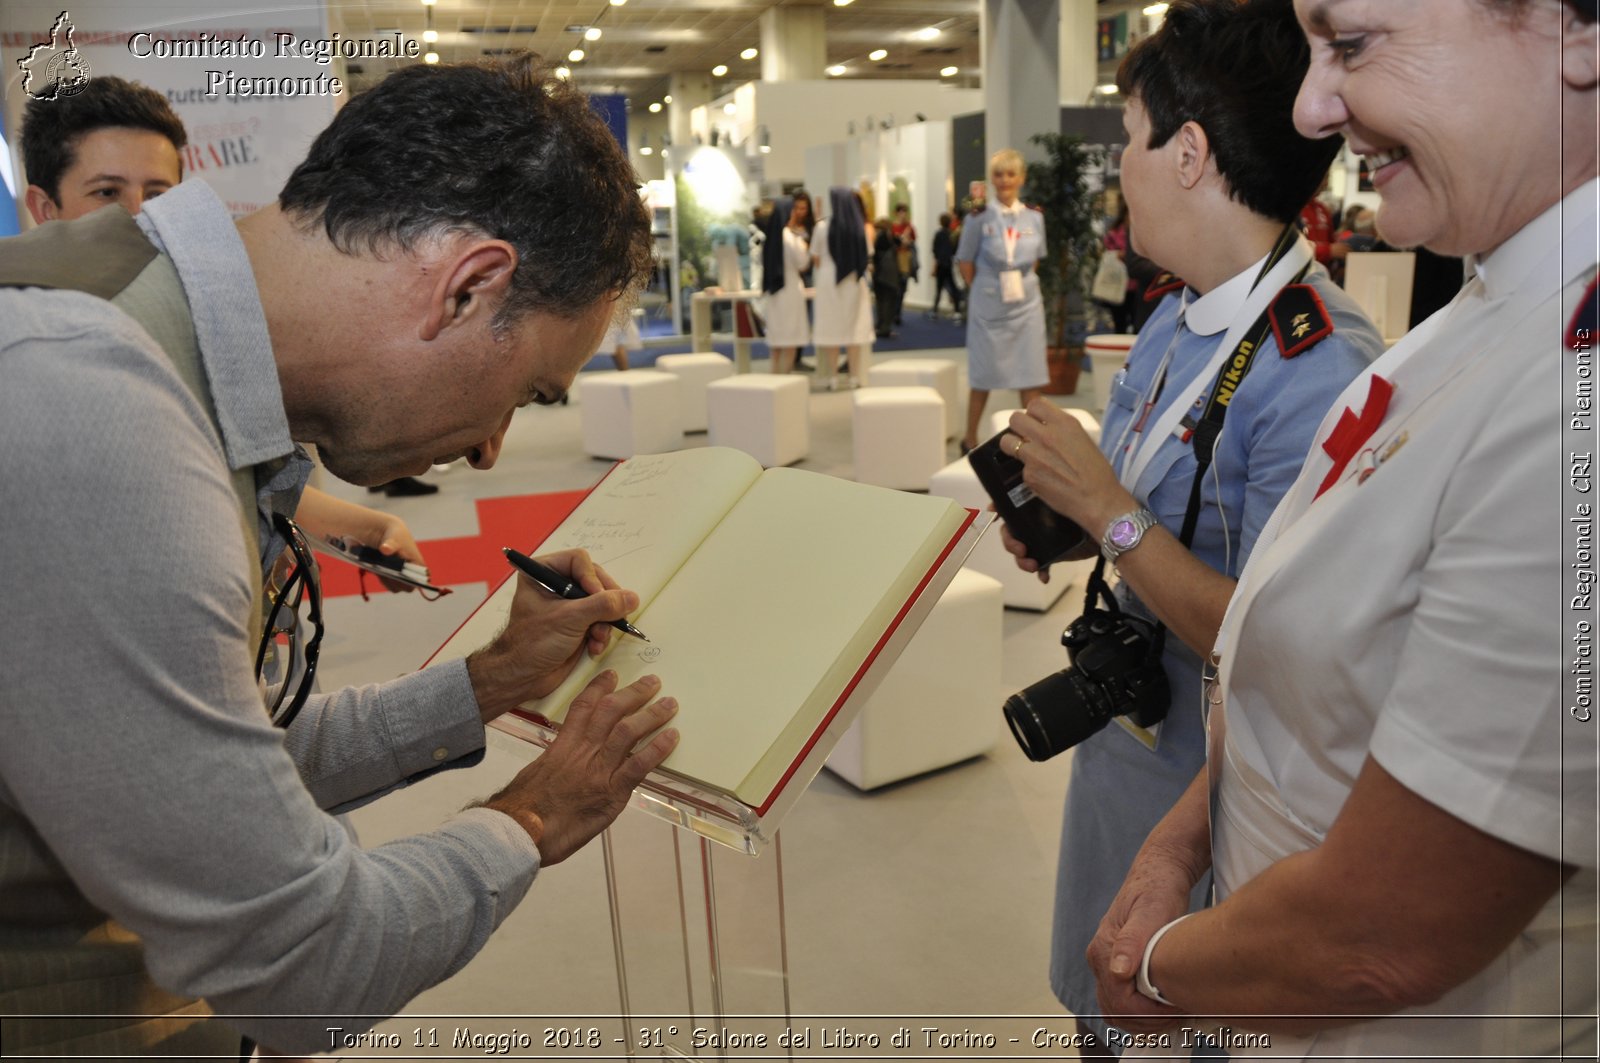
(560, 586)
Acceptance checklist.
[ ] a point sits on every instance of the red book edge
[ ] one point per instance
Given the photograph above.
(855, 680)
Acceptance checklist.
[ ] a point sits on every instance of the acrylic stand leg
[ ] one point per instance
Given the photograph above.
(698, 932)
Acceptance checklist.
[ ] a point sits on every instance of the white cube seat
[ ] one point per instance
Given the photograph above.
(630, 413)
(767, 417)
(940, 702)
(898, 436)
(694, 372)
(936, 373)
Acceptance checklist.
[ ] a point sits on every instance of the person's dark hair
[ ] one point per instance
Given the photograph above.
(51, 129)
(944, 221)
(1234, 69)
(504, 149)
(847, 233)
(800, 195)
(772, 226)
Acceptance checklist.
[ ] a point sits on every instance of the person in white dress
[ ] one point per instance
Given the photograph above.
(1402, 784)
(784, 256)
(841, 302)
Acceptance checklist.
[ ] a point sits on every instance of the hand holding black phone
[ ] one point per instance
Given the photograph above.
(1048, 535)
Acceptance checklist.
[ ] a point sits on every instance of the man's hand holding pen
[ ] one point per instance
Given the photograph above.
(546, 635)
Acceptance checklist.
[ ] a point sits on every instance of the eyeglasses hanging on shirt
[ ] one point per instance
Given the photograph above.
(280, 636)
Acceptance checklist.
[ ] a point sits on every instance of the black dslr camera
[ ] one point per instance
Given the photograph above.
(1116, 671)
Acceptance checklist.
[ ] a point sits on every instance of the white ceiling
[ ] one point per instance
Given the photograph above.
(643, 42)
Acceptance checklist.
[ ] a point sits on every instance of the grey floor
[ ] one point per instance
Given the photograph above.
(930, 897)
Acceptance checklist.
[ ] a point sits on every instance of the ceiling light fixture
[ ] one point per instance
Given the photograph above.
(431, 57)
(1156, 9)
(429, 36)
(1106, 90)
(730, 109)
(749, 53)
(950, 71)
(575, 56)
(563, 73)
(878, 53)
(592, 33)
(841, 3)
(655, 108)
(927, 33)
(618, 3)
(647, 150)
(667, 98)
(719, 70)
(836, 70)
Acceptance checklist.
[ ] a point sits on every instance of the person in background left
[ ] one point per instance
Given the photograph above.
(784, 254)
(118, 142)
(1005, 312)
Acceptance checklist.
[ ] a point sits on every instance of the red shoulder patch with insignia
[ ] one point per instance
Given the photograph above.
(1299, 320)
(1585, 320)
(1161, 285)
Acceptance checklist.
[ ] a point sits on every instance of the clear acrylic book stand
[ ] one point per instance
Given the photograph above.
(697, 925)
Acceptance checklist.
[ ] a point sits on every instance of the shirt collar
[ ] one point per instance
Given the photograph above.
(1209, 314)
(193, 228)
(1563, 225)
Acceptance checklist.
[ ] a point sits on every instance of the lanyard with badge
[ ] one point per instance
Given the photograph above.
(1011, 290)
(1287, 263)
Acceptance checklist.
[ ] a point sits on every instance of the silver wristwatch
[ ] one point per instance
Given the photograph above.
(1126, 532)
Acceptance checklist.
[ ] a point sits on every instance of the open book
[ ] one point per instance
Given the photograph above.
(765, 595)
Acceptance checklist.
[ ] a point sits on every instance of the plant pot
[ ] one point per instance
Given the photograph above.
(1065, 365)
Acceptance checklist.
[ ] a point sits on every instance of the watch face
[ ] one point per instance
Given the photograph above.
(1124, 533)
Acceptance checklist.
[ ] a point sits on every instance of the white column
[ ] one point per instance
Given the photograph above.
(1021, 42)
(1079, 51)
(793, 44)
(688, 91)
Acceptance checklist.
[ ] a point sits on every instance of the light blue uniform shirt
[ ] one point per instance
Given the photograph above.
(1005, 341)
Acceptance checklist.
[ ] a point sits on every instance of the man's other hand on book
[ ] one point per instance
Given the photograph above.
(547, 636)
(582, 782)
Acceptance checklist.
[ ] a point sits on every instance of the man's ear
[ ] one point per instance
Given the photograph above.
(40, 205)
(1194, 152)
(474, 276)
(1580, 41)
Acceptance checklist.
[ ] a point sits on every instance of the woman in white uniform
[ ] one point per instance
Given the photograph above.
(1005, 312)
(840, 301)
(784, 256)
(1403, 761)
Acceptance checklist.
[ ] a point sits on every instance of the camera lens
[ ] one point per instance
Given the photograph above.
(1056, 713)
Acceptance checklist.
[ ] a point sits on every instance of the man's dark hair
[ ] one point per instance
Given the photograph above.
(1234, 69)
(504, 149)
(51, 129)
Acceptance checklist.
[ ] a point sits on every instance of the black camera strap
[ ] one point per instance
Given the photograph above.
(1205, 430)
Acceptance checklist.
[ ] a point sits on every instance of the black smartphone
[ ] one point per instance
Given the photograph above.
(1047, 534)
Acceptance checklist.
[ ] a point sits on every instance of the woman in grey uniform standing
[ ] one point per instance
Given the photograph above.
(1005, 313)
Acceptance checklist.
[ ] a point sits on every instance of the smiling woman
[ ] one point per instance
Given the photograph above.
(1395, 830)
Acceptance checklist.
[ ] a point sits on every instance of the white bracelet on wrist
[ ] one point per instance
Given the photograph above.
(1143, 983)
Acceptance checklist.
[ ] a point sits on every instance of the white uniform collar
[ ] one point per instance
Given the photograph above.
(1015, 208)
(1509, 264)
(1209, 314)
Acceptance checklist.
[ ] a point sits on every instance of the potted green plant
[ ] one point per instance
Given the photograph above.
(1059, 187)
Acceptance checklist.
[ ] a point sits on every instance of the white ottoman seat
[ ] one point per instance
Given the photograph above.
(936, 373)
(767, 417)
(940, 702)
(629, 413)
(694, 372)
(898, 436)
